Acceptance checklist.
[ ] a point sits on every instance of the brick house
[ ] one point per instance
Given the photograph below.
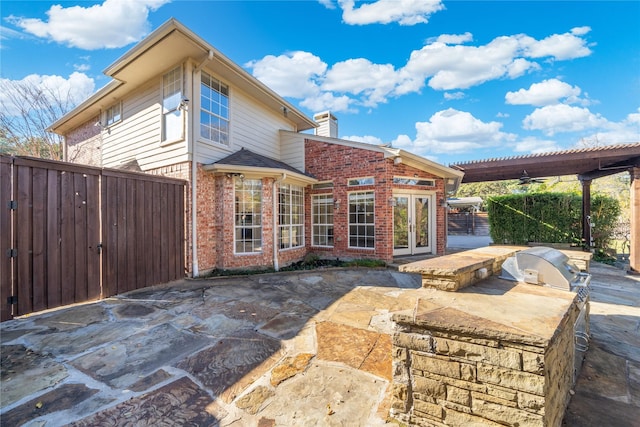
(266, 191)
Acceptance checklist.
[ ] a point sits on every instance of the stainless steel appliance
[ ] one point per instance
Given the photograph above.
(549, 267)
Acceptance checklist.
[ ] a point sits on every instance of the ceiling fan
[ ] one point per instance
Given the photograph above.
(525, 179)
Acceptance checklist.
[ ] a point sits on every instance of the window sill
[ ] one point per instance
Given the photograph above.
(171, 142)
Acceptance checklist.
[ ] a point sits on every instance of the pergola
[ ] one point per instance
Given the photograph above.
(587, 163)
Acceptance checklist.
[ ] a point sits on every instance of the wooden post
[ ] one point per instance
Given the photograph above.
(634, 252)
(586, 212)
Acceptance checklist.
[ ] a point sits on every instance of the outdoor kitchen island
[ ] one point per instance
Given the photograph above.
(493, 353)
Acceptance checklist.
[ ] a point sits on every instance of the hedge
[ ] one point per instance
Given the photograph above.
(518, 219)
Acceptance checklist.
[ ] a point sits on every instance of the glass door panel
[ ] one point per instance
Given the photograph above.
(401, 225)
(422, 223)
(412, 224)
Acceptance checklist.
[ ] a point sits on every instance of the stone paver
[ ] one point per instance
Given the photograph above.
(309, 348)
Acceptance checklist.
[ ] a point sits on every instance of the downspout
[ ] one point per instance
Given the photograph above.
(194, 173)
(276, 265)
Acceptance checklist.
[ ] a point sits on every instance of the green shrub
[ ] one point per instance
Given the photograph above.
(549, 218)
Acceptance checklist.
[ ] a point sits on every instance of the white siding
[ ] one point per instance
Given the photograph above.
(292, 149)
(252, 126)
(138, 135)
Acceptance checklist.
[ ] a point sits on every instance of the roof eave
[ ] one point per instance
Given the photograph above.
(255, 171)
(115, 70)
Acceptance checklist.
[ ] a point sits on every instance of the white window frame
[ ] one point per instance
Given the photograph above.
(424, 182)
(322, 221)
(172, 96)
(247, 231)
(363, 230)
(214, 116)
(113, 114)
(365, 180)
(290, 216)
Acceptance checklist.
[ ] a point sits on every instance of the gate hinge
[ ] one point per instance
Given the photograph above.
(12, 204)
(12, 253)
(13, 299)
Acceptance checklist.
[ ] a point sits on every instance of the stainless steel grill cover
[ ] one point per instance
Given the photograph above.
(546, 266)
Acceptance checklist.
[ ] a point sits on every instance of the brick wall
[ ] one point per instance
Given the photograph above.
(457, 378)
(84, 144)
(339, 163)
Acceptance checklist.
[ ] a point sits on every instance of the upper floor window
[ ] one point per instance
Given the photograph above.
(361, 181)
(171, 99)
(113, 114)
(214, 109)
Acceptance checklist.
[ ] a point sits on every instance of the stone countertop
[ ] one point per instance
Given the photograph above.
(495, 309)
(460, 262)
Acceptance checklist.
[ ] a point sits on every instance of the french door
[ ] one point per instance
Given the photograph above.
(412, 224)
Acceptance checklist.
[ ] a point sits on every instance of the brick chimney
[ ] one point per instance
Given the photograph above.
(328, 124)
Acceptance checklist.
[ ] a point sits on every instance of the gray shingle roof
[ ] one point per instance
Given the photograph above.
(248, 158)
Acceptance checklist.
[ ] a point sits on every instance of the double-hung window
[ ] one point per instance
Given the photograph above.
(322, 220)
(291, 216)
(248, 215)
(361, 219)
(172, 129)
(113, 114)
(214, 110)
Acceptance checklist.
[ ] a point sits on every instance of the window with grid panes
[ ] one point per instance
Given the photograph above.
(291, 216)
(214, 109)
(248, 215)
(322, 220)
(361, 219)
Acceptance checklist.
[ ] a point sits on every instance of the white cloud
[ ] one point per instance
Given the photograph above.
(452, 131)
(404, 12)
(454, 38)
(624, 132)
(534, 145)
(6, 33)
(559, 46)
(449, 67)
(361, 77)
(294, 75)
(443, 64)
(453, 95)
(328, 101)
(81, 67)
(553, 119)
(74, 89)
(112, 24)
(367, 139)
(547, 92)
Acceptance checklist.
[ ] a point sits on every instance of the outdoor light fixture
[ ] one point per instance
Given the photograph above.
(184, 103)
(392, 201)
(336, 204)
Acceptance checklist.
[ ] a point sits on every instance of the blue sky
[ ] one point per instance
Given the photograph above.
(449, 80)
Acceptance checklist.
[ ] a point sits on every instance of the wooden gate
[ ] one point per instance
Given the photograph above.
(75, 233)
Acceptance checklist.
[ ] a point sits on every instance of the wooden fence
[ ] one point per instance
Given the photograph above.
(72, 233)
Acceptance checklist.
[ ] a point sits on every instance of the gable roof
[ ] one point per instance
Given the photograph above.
(453, 177)
(247, 162)
(170, 44)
